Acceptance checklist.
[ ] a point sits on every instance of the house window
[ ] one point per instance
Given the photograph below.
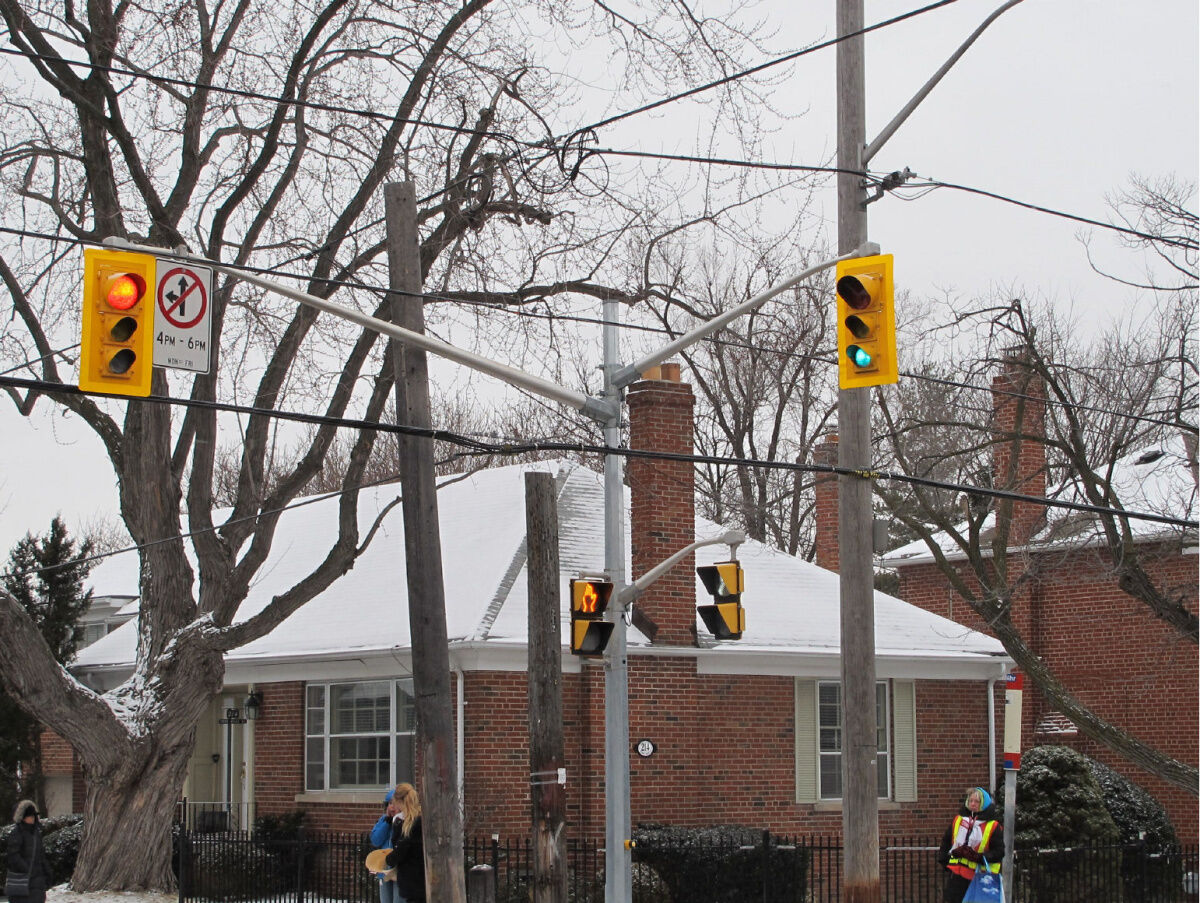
(89, 633)
(829, 718)
(359, 735)
(818, 733)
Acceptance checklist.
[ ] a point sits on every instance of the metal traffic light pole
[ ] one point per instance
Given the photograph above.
(618, 880)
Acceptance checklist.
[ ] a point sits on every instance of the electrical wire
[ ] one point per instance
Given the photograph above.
(269, 98)
(550, 146)
(598, 321)
(762, 66)
(523, 447)
(932, 184)
(38, 360)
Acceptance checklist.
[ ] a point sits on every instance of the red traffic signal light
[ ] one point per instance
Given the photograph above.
(866, 323)
(124, 291)
(589, 602)
(117, 322)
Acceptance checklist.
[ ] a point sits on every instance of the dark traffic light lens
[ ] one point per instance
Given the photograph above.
(124, 328)
(858, 327)
(122, 361)
(853, 292)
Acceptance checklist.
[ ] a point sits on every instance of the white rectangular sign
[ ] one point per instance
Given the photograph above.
(182, 316)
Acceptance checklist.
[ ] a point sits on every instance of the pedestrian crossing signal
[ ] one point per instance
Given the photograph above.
(725, 619)
(589, 630)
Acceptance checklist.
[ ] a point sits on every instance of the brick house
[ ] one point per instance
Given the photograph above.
(1106, 647)
(744, 732)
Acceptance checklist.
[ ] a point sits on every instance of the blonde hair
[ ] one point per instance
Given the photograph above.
(406, 800)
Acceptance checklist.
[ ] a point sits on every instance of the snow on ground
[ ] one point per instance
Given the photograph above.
(64, 894)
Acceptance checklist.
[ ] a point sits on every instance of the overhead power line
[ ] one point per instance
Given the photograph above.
(1100, 224)
(551, 146)
(258, 95)
(753, 70)
(597, 321)
(522, 447)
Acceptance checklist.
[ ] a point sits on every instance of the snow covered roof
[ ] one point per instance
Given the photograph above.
(792, 606)
(1159, 479)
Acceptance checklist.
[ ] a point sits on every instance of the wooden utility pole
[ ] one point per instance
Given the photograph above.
(860, 803)
(547, 791)
(442, 827)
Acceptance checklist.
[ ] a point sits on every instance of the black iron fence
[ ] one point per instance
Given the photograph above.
(206, 817)
(312, 867)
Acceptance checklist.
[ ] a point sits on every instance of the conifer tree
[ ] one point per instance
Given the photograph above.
(45, 575)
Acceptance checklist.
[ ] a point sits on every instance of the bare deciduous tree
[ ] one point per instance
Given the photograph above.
(261, 134)
(1102, 404)
(765, 387)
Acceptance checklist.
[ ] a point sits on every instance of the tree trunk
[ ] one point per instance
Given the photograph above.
(128, 818)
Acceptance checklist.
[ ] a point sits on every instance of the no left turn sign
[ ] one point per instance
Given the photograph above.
(182, 297)
(183, 320)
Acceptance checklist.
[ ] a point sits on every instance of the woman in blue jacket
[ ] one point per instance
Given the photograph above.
(381, 839)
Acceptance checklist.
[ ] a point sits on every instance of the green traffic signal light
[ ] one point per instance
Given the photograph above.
(858, 356)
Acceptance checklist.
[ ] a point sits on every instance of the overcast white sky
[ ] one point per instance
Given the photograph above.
(1057, 104)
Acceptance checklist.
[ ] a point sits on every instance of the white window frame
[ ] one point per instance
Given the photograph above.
(883, 755)
(899, 758)
(401, 738)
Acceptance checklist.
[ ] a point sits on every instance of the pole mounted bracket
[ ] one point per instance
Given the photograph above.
(888, 183)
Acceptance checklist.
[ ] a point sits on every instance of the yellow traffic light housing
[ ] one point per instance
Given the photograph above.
(866, 322)
(117, 354)
(589, 630)
(725, 619)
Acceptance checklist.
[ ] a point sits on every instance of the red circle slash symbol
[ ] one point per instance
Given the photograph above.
(179, 292)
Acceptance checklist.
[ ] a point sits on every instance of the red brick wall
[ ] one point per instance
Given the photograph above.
(59, 760)
(279, 748)
(725, 754)
(57, 756)
(1108, 650)
(279, 764)
(662, 503)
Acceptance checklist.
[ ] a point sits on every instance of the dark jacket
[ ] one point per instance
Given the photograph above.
(408, 859)
(24, 849)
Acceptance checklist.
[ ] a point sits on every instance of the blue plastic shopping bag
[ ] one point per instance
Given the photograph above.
(985, 887)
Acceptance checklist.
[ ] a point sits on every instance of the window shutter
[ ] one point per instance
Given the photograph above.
(904, 740)
(807, 790)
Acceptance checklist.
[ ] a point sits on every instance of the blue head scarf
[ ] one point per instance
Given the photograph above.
(985, 798)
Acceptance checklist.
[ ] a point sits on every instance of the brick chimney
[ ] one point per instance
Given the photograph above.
(662, 500)
(1019, 432)
(826, 490)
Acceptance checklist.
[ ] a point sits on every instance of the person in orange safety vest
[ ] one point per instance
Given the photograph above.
(973, 836)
